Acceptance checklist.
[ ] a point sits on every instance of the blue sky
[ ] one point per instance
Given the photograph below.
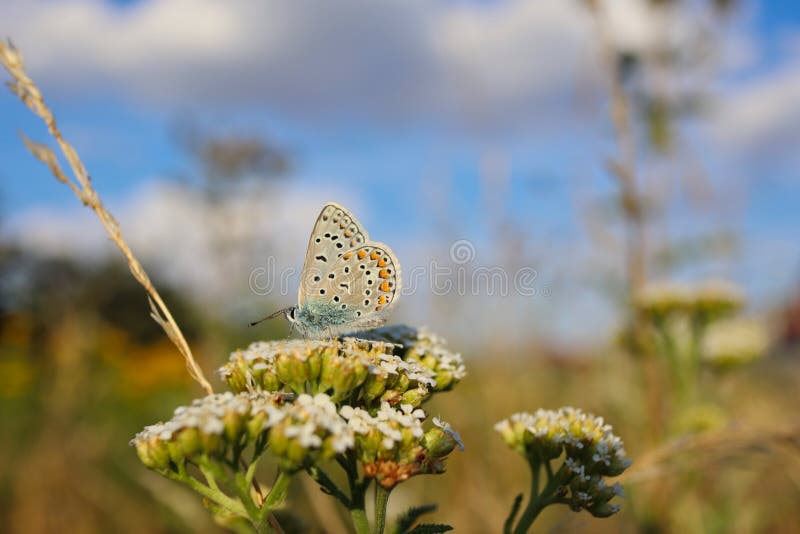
(388, 105)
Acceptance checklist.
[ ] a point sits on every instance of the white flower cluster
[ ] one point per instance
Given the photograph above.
(451, 362)
(716, 291)
(426, 348)
(208, 414)
(710, 297)
(586, 438)
(734, 342)
(309, 420)
(590, 450)
(664, 296)
(393, 365)
(388, 422)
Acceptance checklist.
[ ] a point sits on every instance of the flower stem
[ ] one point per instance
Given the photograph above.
(358, 488)
(359, 517)
(538, 501)
(215, 495)
(278, 492)
(381, 501)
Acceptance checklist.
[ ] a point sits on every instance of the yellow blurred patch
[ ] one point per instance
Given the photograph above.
(16, 377)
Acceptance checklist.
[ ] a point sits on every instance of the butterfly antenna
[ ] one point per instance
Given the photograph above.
(268, 317)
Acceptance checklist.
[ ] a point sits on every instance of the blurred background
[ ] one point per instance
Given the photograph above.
(598, 146)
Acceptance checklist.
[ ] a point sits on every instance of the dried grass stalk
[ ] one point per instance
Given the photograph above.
(24, 87)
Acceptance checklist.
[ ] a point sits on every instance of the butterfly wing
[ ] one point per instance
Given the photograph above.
(364, 282)
(335, 232)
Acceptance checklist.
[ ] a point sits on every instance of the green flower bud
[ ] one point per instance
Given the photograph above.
(314, 364)
(188, 440)
(278, 442)
(153, 453)
(374, 386)
(603, 509)
(415, 397)
(292, 371)
(211, 443)
(175, 452)
(234, 424)
(438, 443)
(255, 424)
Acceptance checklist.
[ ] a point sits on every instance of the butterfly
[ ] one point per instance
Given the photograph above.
(348, 283)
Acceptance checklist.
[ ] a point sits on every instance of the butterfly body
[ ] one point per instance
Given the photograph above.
(348, 282)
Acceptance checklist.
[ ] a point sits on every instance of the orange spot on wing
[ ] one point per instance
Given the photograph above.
(381, 263)
(374, 255)
(378, 308)
(384, 273)
(385, 287)
(361, 254)
(382, 300)
(348, 255)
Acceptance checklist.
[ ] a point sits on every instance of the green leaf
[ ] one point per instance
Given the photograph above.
(507, 526)
(430, 528)
(410, 516)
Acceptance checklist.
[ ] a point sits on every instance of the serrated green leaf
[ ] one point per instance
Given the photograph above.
(410, 516)
(430, 528)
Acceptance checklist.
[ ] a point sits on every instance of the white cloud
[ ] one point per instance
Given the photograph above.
(761, 116)
(411, 59)
(208, 250)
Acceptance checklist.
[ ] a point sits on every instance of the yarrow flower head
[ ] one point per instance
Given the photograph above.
(209, 426)
(591, 452)
(307, 401)
(307, 431)
(350, 369)
(392, 444)
(428, 349)
(396, 381)
(707, 300)
(717, 298)
(734, 342)
(662, 298)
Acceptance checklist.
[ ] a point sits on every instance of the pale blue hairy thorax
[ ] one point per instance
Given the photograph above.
(319, 319)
